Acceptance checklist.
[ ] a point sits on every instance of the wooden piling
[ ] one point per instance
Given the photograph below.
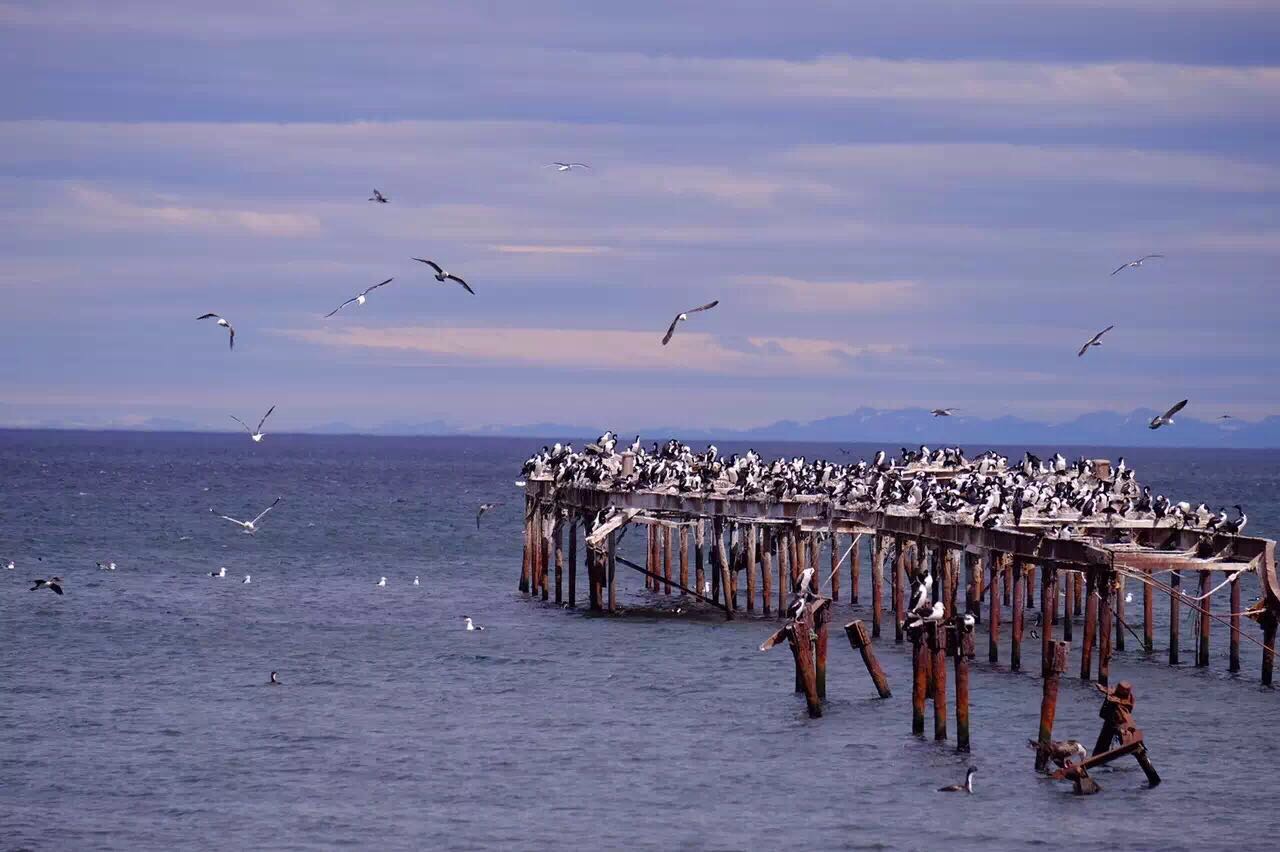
(699, 572)
(666, 559)
(526, 564)
(573, 562)
(920, 659)
(1068, 605)
(1175, 616)
(972, 604)
(650, 563)
(1106, 591)
(855, 569)
(823, 621)
(1031, 590)
(784, 550)
(1017, 619)
(750, 554)
(877, 581)
(938, 678)
(1119, 607)
(766, 567)
(861, 642)
(1202, 647)
(544, 575)
(1233, 664)
(958, 642)
(684, 555)
(1049, 701)
(1268, 646)
(558, 535)
(947, 567)
(1148, 617)
(1090, 623)
(796, 554)
(835, 565)
(1007, 585)
(1048, 577)
(993, 616)
(814, 554)
(611, 568)
(899, 568)
(722, 558)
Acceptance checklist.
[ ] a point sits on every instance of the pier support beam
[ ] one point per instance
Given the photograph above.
(1049, 702)
(877, 581)
(937, 640)
(1017, 617)
(1106, 591)
(558, 535)
(684, 555)
(699, 571)
(1090, 623)
(960, 646)
(1202, 646)
(1175, 616)
(896, 586)
(750, 555)
(920, 659)
(766, 567)
(993, 616)
(1233, 662)
(860, 641)
(573, 561)
(1148, 618)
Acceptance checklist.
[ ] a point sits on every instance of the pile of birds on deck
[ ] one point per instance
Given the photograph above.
(942, 485)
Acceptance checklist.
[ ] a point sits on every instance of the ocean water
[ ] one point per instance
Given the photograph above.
(134, 711)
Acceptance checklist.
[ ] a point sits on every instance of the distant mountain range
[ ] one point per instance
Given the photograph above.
(905, 426)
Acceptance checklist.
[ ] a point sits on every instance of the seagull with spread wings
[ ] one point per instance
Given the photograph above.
(222, 322)
(443, 276)
(943, 412)
(1166, 419)
(255, 434)
(378, 197)
(250, 527)
(684, 315)
(1135, 263)
(567, 167)
(484, 507)
(1096, 340)
(359, 299)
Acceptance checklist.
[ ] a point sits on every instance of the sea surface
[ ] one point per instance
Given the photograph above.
(134, 710)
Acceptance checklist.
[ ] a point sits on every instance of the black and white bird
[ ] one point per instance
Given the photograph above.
(484, 507)
(10, 566)
(943, 412)
(566, 167)
(222, 322)
(53, 583)
(108, 566)
(220, 573)
(247, 579)
(378, 197)
(250, 527)
(471, 625)
(443, 276)
(966, 787)
(1096, 340)
(255, 434)
(1235, 526)
(382, 582)
(1166, 419)
(684, 315)
(360, 298)
(1135, 263)
(275, 681)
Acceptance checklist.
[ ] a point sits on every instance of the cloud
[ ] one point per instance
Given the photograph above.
(92, 208)
(549, 249)
(800, 296)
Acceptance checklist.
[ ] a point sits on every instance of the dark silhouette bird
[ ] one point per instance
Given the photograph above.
(54, 583)
(684, 315)
(443, 276)
(378, 197)
(966, 787)
(943, 412)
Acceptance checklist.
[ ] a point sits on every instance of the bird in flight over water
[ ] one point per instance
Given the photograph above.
(484, 507)
(255, 434)
(222, 322)
(1166, 419)
(53, 583)
(378, 197)
(443, 276)
(684, 315)
(360, 298)
(250, 527)
(1096, 340)
(1135, 263)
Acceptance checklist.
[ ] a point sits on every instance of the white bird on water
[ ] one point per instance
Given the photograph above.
(382, 581)
(250, 527)
(255, 434)
(471, 625)
(221, 572)
(222, 322)
(110, 566)
(10, 566)
(415, 580)
(246, 579)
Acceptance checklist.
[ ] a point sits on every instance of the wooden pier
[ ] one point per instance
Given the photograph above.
(739, 542)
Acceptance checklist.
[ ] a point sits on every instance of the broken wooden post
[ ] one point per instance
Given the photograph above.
(801, 634)
(1148, 617)
(1106, 591)
(877, 581)
(860, 641)
(722, 559)
(558, 535)
(684, 555)
(1049, 701)
(766, 567)
(993, 616)
(938, 678)
(1017, 619)
(1175, 615)
(1090, 622)
(920, 659)
(960, 646)
(750, 554)
(699, 573)
(1233, 662)
(573, 561)
(1202, 647)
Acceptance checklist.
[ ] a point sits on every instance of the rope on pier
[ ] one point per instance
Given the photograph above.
(1168, 590)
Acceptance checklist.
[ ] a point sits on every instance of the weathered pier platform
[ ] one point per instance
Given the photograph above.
(747, 552)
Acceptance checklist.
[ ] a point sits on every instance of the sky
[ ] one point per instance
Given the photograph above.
(897, 205)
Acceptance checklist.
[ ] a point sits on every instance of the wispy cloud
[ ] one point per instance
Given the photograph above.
(96, 209)
(549, 249)
(797, 295)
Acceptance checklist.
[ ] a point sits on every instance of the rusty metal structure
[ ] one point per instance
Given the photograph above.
(749, 552)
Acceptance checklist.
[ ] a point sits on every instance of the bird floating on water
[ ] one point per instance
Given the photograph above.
(110, 566)
(484, 507)
(231, 343)
(10, 566)
(566, 167)
(359, 298)
(378, 197)
(684, 315)
(471, 625)
(443, 276)
(1096, 340)
(54, 583)
(250, 527)
(255, 434)
(275, 681)
(382, 581)
(221, 572)
(415, 580)
(245, 580)
(1135, 263)
(1166, 419)
(966, 787)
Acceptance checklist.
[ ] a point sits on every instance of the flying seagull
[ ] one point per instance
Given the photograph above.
(378, 197)
(1166, 418)
(1096, 340)
(224, 324)
(943, 412)
(1135, 263)
(681, 317)
(360, 299)
(566, 167)
(54, 583)
(484, 507)
(443, 276)
(250, 527)
(255, 434)
(1220, 417)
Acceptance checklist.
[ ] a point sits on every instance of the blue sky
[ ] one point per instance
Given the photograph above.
(909, 206)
